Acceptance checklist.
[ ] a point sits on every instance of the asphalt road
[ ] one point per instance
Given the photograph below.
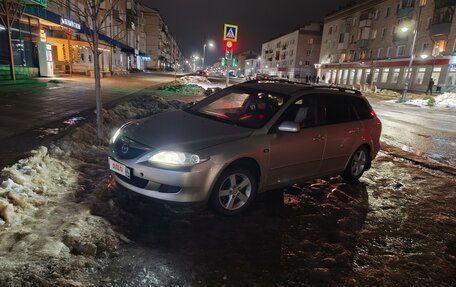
(31, 115)
(427, 132)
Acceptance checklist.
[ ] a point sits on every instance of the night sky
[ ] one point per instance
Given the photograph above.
(258, 20)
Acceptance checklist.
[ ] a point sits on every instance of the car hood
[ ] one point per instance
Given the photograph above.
(179, 130)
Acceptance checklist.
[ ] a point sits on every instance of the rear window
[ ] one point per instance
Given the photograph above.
(338, 109)
(362, 108)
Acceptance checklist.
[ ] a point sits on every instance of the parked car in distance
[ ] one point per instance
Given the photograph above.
(246, 139)
(261, 77)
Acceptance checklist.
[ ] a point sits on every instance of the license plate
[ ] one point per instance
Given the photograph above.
(119, 168)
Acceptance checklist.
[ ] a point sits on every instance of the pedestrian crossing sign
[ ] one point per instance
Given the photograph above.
(230, 33)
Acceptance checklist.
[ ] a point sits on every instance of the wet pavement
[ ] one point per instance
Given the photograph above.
(427, 132)
(36, 113)
(23, 107)
(393, 228)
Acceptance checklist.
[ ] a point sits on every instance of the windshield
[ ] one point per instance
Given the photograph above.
(252, 109)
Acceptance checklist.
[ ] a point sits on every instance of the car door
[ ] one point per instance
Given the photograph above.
(343, 131)
(296, 156)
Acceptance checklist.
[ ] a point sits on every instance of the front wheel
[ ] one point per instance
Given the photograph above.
(357, 165)
(234, 191)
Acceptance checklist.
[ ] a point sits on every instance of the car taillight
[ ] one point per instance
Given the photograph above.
(373, 114)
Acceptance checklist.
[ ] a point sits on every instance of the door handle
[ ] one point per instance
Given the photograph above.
(355, 131)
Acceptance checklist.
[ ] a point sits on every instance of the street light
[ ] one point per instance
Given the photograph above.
(195, 58)
(412, 51)
(210, 44)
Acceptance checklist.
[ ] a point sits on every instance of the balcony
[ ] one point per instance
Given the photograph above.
(342, 46)
(365, 23)
(440, 29)
(405, 12)
(363, 43)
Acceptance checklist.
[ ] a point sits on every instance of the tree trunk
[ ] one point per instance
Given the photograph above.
(99, 109)
(10, 45)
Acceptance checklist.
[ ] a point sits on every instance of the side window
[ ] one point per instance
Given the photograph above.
(304, 111)
(338, 109)
(362, 108)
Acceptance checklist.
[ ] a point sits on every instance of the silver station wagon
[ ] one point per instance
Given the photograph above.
(246, 139)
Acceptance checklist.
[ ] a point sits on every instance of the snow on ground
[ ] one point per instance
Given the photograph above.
(446, 100)
(190, 85)
(47, 199)
(200, 81)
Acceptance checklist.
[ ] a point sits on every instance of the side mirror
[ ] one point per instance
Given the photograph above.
(289, 127)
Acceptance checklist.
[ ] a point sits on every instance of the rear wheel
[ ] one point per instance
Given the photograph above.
(234, 191)
(357, 165)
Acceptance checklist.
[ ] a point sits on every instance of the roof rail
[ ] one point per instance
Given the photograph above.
(285, 81)
(340, 89)
(317, 86)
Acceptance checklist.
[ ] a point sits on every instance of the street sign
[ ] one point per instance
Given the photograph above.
(230, 33)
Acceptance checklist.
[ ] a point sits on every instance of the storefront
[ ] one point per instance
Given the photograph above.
(47, 44)
(392, 74)
(24, 34)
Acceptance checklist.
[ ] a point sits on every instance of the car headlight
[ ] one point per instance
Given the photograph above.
(116, 135)
(175, 158)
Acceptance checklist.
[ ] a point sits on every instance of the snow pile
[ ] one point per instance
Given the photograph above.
(49, 201)
(389, 93)
(185, 89)
(447, 100)
(193, 80)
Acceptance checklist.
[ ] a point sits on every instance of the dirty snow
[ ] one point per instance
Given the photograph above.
(204, 82)
(47, 199)
(446, 100)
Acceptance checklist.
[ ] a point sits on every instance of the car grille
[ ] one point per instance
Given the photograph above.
(134, 180)
(125, 148)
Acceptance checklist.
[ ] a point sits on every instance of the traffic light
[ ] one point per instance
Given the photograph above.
(234, 62)
(223, 62)
(229, 45)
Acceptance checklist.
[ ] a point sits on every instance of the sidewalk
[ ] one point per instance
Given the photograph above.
(31, 104)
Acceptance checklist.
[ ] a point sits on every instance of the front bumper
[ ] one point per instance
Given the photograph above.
(188, 186)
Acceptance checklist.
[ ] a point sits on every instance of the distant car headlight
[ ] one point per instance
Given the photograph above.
(116, 135)
(175, 158)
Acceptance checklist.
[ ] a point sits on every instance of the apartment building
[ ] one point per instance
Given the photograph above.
(370, 43)
(294, 54)
(160, 43)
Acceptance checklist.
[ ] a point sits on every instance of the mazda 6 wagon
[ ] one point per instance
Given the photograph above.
(246, 139)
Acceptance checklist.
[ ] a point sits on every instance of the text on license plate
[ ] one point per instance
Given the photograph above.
(119, 168)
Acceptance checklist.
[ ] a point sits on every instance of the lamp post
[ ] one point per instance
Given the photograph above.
(210, 44)
(412, 52)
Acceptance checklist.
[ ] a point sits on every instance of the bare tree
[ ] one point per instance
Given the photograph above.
(92, 14)
(11, 11)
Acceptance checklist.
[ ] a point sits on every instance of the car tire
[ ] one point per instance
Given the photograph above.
(234, 191)
(357, 165)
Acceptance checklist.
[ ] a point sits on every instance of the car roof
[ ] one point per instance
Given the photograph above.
(289, 87)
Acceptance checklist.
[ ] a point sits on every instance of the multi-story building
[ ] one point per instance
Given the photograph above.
(252, 66)
(51, 39)
(160, 43)
(293, 55)
(371, 43)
